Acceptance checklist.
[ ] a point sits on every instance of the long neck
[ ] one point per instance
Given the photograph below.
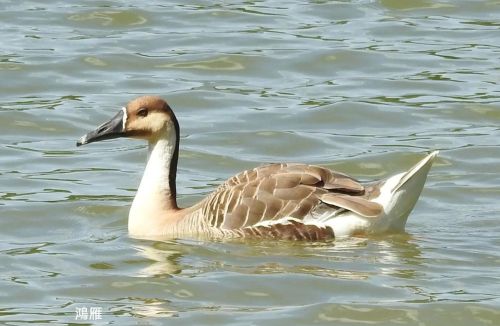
(161, 170)
(156, 196)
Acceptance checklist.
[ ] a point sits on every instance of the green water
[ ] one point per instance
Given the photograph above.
(364, 87)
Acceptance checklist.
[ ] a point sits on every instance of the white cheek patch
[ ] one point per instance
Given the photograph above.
(124, 117)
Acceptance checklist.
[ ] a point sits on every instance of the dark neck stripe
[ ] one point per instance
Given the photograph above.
(173, 163)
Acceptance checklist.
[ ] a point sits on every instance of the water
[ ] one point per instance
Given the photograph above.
(364, 87)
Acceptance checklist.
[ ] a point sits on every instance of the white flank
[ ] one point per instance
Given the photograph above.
(343, 225)
(284, 221)
(348, 224)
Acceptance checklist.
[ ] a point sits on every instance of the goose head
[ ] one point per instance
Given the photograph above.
(146, 117)
(149, 118)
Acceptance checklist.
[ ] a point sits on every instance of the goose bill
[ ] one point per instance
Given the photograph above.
(114, 128)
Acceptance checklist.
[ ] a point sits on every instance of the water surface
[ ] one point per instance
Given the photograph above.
(364, 87)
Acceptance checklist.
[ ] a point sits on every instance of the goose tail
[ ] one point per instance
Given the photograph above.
(399, 194)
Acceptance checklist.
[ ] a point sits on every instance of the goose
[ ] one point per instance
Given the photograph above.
(289, 201)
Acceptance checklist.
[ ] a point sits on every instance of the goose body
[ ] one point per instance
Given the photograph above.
(280, 201)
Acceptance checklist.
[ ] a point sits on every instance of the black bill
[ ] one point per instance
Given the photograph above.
(108, 130)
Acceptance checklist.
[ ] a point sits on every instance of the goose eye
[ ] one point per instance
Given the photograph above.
(142, 112)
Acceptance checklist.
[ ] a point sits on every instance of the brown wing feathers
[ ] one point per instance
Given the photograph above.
(292, 230)
(275, 191)
(357, 205)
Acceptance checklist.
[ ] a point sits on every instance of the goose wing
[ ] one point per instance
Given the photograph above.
(273, 200)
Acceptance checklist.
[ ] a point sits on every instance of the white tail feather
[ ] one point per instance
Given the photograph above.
(398, 196)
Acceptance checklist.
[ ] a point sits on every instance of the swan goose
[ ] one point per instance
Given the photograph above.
(280, 201)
